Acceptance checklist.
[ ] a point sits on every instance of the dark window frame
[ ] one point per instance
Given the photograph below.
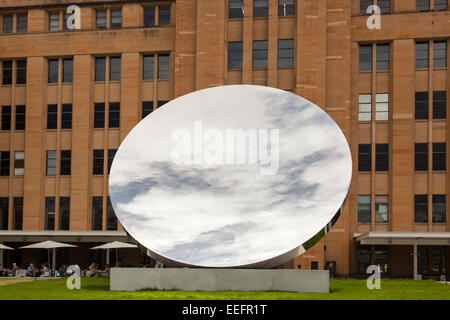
(20, 117)
(65, 162)
(98, 161)
(365, 50)
(260, 47)
(114, 115)
(235, 55)
(421, 105)
(382, 157)
(439, 156)
(286, 53)
(439, 210)
(52, 116)
(421, 157)
(21, 71)
(420, 208)
(364, 157)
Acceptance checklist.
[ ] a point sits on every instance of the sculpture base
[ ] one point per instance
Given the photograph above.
(133, 279)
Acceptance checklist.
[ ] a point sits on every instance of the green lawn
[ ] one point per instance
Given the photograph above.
(98, 288)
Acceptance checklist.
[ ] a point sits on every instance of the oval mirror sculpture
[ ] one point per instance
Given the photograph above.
(231, 176)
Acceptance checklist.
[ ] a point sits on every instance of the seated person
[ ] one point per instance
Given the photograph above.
(92, 270)
(107, 270)
(62, 271)
(44, 272)
(31, 271)
(14, 269)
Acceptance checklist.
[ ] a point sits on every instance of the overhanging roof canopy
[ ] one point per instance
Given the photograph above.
(63, 236)
(403, 238)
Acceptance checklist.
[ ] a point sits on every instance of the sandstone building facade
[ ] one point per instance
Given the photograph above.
(69, 97)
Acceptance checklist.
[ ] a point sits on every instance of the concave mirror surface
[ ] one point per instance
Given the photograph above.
(185, 183)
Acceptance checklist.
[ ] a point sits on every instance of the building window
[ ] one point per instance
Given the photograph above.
(100, 19)
(65, 162)
(66, 116)
(51, 163)
(420, 208)
(4, 206)
(161, 103)
(422, 55)
(98, 161)
(54, 21)
(17, 213)
(286, 8)
(67, 70)
(7, 72)
(421, 105)
(260, 53)
(382, 157)
(6, 118)
(364, 258)
(421, 157)
(4, 163)
(286, 53)
(235, 9)
(164, 16)
(383, 56)
(66, 20)
(382, 106)
(99, 115)
(22, 23)
(52, 116)
(381, 256)
(163, 66)
(385, 6)
(8, 24)
(439, 208)
(64, 213)
(114, 68)
(111, 155)
(114, 115)
(422, 5)
(364, 209)
(235, 55)
(440, 54)
(97, 213)
(53, 71)
(381, 208)
(365, 57)
(149, 17)
(439, 104)
(365, 107)
(147, 108)
(363, 6)
(21, 71)
(111, 219)
(439, 156)
(49, 213)
(422, 260)
(116, 19)
(438, 255)
(20, 117)
(19, 162)
(100, 69)
(148, 67)
(364, 157)
(260, 8)
(440, 5)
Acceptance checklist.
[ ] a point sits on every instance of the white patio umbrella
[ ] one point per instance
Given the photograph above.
(49, 245)
(114, 245)
(3, 247)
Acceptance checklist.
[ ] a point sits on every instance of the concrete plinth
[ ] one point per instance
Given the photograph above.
(132, 279)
